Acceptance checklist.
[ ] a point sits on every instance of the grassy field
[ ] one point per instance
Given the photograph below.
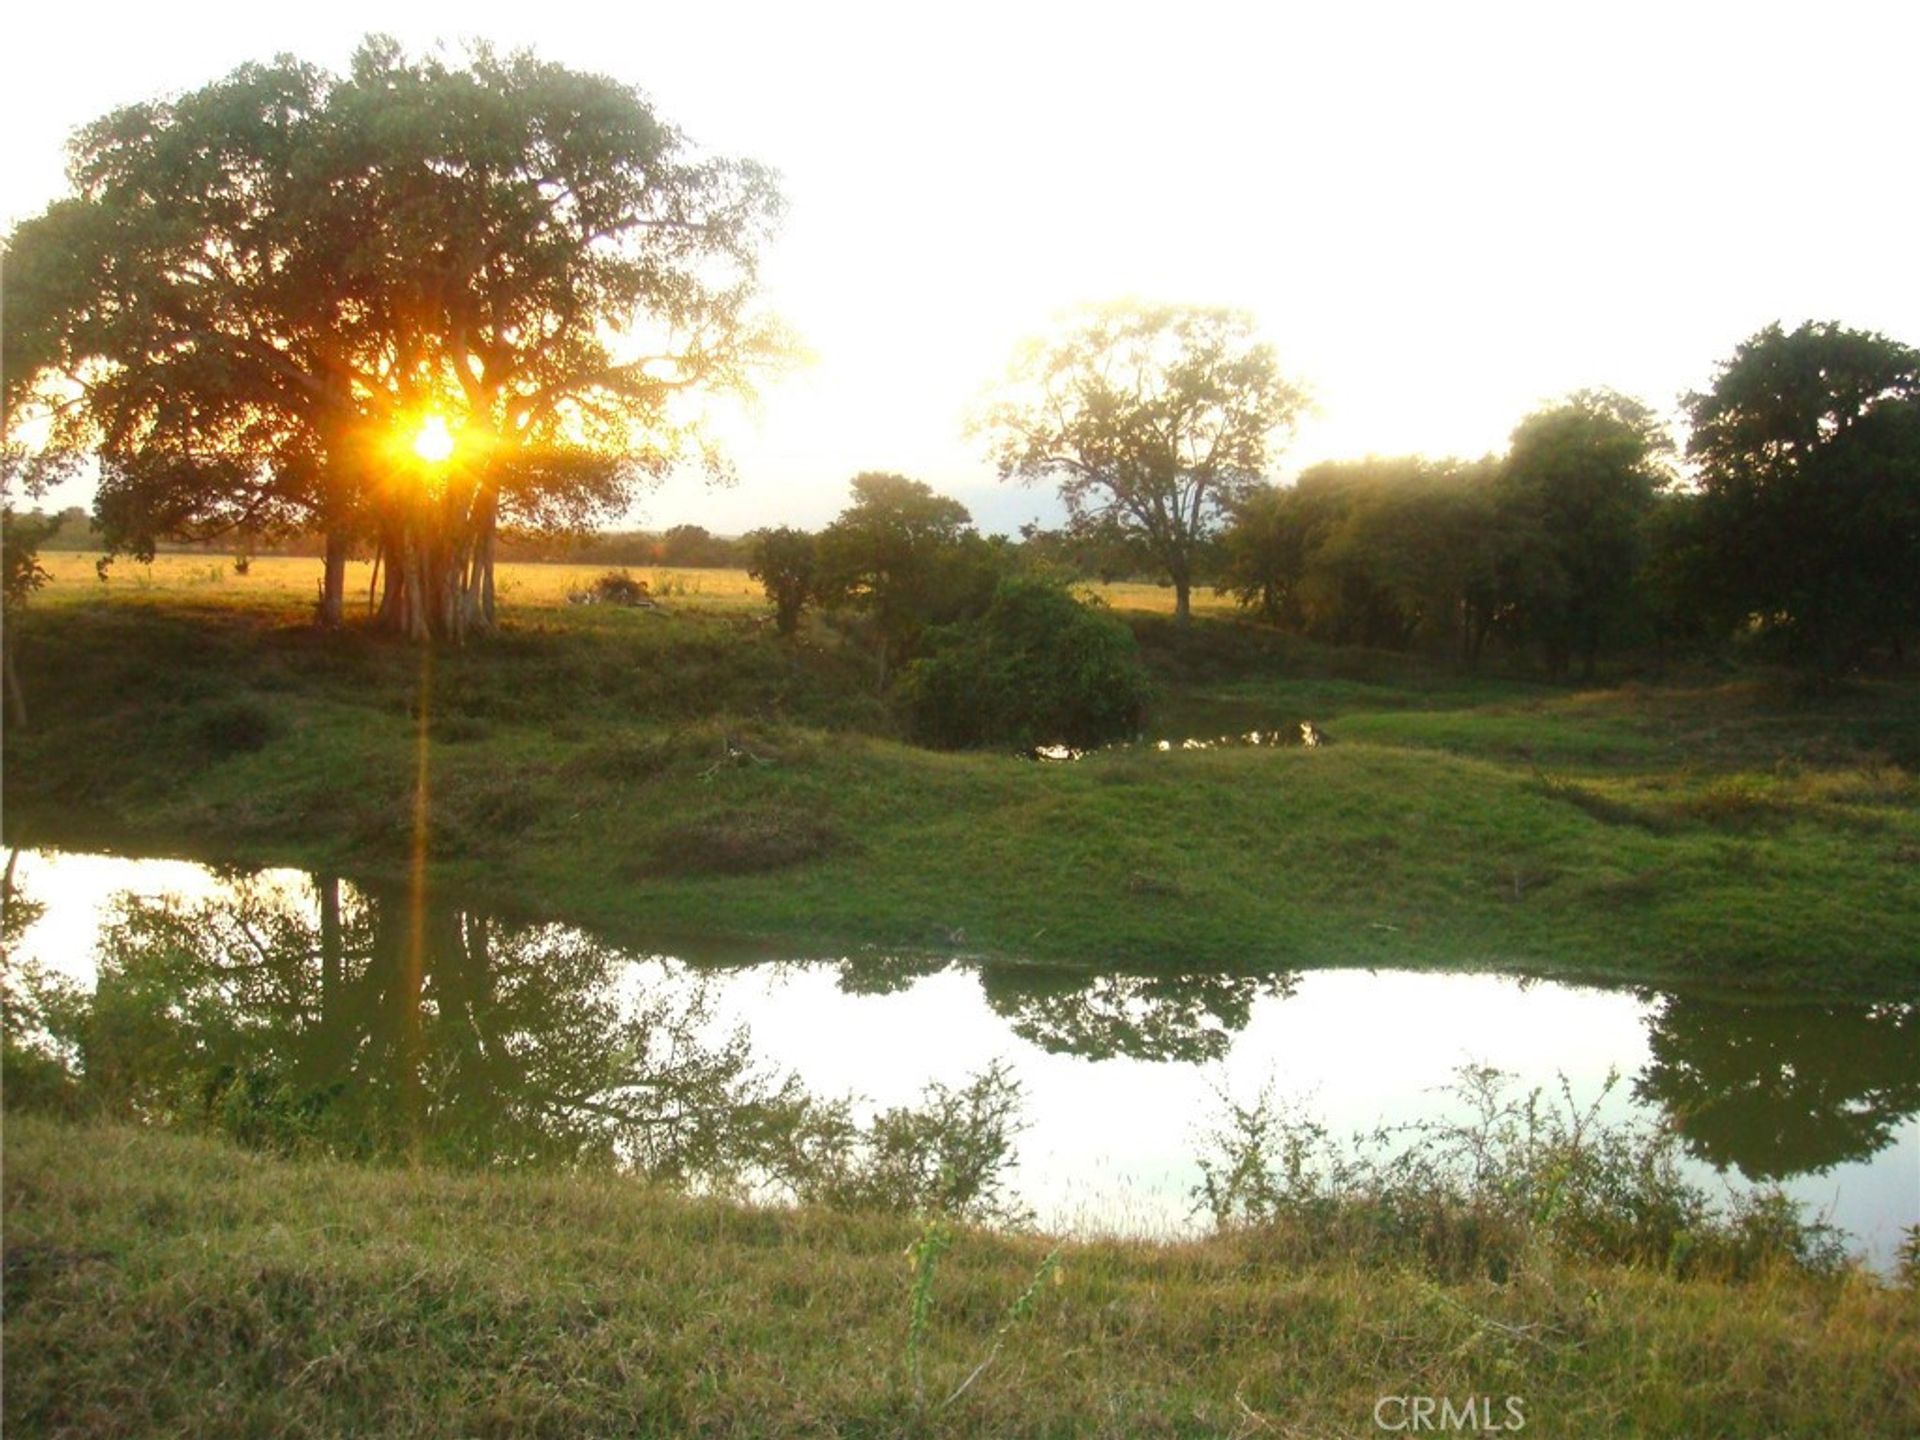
(285, 581)
(161, 1284)
(687, 773)
(281, 582)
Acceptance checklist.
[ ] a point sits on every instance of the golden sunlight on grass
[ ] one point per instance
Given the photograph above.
(209, 577)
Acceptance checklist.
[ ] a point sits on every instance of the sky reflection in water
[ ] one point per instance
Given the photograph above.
(1121, 1073)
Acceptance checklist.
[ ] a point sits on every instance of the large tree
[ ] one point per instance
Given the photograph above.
(258, 293)
(1808, 527)
(1154, 420)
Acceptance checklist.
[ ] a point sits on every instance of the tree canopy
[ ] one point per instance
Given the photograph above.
(906, 558)
(259, 292)
(1579, 482)
(1154, 420)
(1808, 527)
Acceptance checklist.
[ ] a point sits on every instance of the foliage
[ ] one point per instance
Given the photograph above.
(906, 559)
(1154, 420)
(21, 573)
(1375, 552)
(1264, 555)
(1544, 546)
(258, 290)
(948, 1156)
(1518, 1176)
(617, 587)
(1577, 486)
(20, 539)
(1807, 448)
(1038, 667)
(785, 561)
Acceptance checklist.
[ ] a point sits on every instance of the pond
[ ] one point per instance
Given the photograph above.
(302, 1002)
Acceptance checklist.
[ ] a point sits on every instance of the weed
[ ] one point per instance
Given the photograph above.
(924, 1255)
(1519, 1176)
(935, 1239)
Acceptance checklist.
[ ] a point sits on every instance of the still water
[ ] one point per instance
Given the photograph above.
(503, 1040)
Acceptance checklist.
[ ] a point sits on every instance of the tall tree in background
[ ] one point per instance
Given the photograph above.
(260, 293)
(1808, 454)
(1579, 482)
(1156, 421)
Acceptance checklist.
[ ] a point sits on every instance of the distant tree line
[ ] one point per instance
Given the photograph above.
(1541, 547)
(1797, 533)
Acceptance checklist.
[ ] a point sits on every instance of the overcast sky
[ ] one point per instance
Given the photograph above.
(1441, 215)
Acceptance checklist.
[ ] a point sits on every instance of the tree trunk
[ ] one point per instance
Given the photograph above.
(332, 969)
(1182, 599)
(16, 697)
(333, 588)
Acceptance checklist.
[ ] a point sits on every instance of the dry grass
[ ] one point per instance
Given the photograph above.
(165, 1285)
(295, 580)
(281, 580)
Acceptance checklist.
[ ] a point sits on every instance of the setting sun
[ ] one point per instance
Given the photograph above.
(434, 442)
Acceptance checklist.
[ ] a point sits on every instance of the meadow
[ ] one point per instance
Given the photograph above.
(681, 777)
(682, 771)
(162, 1283)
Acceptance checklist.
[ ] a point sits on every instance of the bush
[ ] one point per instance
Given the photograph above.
(617, 587)
(236, 727)
(1039, 667)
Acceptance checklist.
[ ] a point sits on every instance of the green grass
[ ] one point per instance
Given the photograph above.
(586, 764)
(163, 1284)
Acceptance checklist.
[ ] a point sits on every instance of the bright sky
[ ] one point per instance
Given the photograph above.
(1441, 215)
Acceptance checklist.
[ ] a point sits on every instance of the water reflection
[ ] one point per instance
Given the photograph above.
(1186, 1018)
(316, 1017)
(289, 1010)
(1782, 1090)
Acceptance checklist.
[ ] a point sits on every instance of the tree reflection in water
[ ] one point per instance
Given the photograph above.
(1783, 1090)
(339, 1021)
(472, 1041)
(1190, 1018)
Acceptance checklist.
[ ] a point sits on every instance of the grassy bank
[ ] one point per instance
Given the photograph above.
(689, 773)
(161, 1284)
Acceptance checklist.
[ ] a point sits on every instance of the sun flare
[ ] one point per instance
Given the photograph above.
(434, 442)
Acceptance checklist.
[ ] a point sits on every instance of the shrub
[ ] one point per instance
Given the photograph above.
(235, 727)
(1039, 667)
(617, 587)
(1519, 1177)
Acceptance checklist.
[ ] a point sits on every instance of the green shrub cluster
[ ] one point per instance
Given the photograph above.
(1039, 667)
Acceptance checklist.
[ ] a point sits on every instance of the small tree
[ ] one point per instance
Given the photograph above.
(906, 558)
(1155, 421)
(1264, 555)
(785, 561)
(20, 538)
